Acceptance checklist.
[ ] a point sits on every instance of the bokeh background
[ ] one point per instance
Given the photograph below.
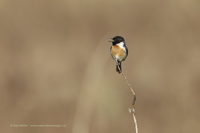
(56, 68)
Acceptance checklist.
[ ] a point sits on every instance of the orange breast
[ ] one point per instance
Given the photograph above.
(118, 53)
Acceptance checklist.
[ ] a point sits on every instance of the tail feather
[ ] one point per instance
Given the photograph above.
(118, 67)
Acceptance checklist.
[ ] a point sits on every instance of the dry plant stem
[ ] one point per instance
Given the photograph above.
(134, 96)
(133, 103)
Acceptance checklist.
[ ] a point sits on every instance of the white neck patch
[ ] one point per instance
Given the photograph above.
(121, 45)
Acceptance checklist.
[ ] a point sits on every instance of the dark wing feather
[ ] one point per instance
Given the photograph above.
(127, 51)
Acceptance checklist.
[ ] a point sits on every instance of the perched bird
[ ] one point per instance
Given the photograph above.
(118, 51)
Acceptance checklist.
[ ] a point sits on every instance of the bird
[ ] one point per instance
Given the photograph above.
(118, 51)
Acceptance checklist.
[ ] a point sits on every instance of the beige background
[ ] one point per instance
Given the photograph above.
(56, 68)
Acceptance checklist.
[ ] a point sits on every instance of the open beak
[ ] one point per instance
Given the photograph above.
(111, 40)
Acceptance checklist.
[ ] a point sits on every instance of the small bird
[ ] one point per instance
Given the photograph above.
(118, 51)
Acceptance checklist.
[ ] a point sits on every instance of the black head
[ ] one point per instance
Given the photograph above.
(117, 39)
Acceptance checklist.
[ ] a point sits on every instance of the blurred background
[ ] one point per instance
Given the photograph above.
(56, 68)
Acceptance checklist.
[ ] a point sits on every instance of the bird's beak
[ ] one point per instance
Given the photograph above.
(111, 40)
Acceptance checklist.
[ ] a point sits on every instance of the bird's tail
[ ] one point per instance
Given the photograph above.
(118, 67)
